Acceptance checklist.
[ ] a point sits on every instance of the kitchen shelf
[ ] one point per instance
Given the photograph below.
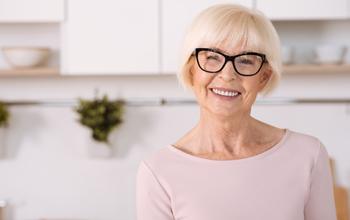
(40, 71)
(177, 101)
(316, 68)
(287, 69)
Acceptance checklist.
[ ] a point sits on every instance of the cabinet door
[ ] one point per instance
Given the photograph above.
(176, 17)
(110, 37)
(304, 10)
(31, 10)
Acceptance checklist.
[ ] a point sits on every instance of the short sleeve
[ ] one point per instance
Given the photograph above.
(320, 204)
(152, 200)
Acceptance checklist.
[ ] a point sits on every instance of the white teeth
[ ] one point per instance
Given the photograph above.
(224, 93)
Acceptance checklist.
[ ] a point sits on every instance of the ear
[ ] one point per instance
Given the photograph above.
(191, 71)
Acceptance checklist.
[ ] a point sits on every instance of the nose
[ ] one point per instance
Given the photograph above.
(228, 73)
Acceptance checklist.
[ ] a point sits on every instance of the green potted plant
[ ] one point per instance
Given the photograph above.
(4, 115)
(4, 118)
(101, 116)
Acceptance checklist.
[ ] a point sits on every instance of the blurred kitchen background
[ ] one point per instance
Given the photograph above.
(56, 51)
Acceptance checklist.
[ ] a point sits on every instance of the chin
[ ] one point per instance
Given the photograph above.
(223, 112)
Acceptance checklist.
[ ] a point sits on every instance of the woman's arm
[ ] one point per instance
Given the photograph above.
(320, 204)
(152, 200)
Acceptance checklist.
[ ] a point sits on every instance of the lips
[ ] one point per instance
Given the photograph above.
(225, 89)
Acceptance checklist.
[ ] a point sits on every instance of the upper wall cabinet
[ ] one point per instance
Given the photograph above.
(304, 10)
(176, 17)
(110, 37)
(23, 11)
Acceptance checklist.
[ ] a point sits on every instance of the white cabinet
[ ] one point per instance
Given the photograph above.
(31, 10)
(176, 17)
(110, 37)
(304, 10)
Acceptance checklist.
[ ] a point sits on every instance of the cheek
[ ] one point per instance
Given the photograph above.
(251, 84)
(201, 79)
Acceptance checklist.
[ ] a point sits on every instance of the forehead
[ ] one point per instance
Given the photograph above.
(233, 37)
(231, 49)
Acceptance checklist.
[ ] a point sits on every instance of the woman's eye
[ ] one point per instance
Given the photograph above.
(245, 61)
(213, 58)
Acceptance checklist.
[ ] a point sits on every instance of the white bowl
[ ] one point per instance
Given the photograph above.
(287, 54)
(26, 57)
(329, 54)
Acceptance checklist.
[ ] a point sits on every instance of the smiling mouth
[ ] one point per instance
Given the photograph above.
(225, 93)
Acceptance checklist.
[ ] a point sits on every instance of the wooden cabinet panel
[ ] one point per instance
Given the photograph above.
(31, 10)
(304, 10)
(111, 37)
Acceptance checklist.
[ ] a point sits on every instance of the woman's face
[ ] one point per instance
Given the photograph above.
(209, 87)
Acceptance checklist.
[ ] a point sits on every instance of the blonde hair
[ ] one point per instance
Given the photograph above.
(238, 25)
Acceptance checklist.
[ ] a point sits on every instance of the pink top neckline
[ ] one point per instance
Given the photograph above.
(257, 156)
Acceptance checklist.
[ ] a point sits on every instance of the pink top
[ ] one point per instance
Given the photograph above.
(290, 181)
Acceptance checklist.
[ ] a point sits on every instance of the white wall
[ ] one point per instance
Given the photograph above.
(47, 173)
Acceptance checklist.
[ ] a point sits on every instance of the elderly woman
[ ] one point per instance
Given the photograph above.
(231, 166)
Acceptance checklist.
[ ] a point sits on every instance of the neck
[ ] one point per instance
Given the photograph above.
(230, 135)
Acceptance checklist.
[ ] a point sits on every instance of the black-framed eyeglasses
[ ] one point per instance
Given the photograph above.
(213, 61)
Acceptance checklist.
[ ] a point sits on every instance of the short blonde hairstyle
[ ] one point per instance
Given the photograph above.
(238, 25)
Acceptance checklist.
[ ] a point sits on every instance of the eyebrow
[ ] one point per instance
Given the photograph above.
(224, 52)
